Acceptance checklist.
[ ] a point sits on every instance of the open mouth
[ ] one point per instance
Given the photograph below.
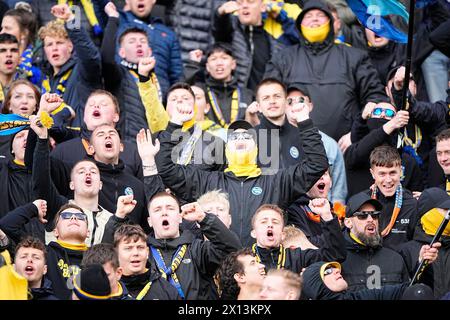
(141, 6)
(321, 186)
(88, 181)
(9, 63)
(140, 52)
(165, 224)
(371, 228)
(270, 234)
(29, 270)
(108, 145)
(135, 263)
(55, 56)
(96, 114)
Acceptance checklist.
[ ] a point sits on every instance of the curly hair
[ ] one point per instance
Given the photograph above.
(32, 242)
(227, 286)
(54, 29)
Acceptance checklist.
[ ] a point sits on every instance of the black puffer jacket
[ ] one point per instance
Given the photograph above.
(191, 21)
(201, 259)
(365, 265)
(315, 289)
(339, 78)
(247, 194)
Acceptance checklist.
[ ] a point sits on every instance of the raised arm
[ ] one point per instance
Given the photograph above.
(209, 254)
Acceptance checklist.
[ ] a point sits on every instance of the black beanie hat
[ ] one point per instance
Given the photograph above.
(92, 283)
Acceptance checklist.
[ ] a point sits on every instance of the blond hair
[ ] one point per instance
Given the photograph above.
(291, 280)
(214, 196)
(54, 29)
(292, 232)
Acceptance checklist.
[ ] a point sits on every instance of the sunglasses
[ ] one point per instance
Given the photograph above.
(328, 270)
(363, 215)
(65, 215)
(240, 136)
(293, 100)
(387, 112)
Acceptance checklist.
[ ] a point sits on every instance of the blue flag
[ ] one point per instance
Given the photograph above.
(376, 15)
(12, 123)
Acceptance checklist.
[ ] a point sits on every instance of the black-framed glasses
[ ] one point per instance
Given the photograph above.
(387, 112)
(240, 136)
(292, 100)
(65, 215)
(363, 215)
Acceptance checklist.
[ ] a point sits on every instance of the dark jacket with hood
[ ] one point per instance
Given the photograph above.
(160, 289)
(339, 78)
(333, 249)
(315, 289)
(45, 292)
(201, 259)
(222, 91)
(357, 157)
(249, 43)
(247, 194)
(86, 73)
(361, 266)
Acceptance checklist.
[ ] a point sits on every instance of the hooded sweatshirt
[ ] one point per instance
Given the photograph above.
(315, 289)
(340, 79)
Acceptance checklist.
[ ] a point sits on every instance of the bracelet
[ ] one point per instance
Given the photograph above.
(150, 167)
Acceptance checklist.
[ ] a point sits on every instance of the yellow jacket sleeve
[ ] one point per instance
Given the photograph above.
(157, 117)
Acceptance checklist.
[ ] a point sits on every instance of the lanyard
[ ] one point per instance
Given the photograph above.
(235, 98)
(168, 273)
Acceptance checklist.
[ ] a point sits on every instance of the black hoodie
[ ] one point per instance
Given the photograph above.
(340, 79)
(45, 292)
(315, 289)
(159, 289)
(201, 259)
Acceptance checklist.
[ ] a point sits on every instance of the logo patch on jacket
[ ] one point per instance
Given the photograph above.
(294, 152)
(186, 261)
(128, 191)
(256, 191)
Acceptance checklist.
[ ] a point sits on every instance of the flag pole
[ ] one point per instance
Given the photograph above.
(412, 5)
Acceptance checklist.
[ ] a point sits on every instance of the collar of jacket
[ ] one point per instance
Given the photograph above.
(48, 69)
(220, 85)
(352, 245)
(186, 237)
(268, 254)
(267, 124)
(147, 20)
(17, 168)
(45, 290)
(111, 168)
(137, 281)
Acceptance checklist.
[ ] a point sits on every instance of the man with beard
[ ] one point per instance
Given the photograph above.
(368, 264)
(378, 125)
